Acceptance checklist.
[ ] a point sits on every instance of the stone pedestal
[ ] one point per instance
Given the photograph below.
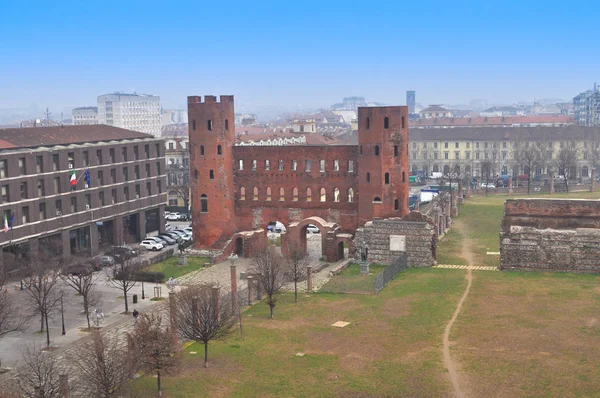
(250, 290)
(182, 260)
(364, 268)
(309, 279)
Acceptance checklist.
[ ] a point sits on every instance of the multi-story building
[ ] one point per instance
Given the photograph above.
(489, 121)
(586, 107)
(467, 149)
(435, 111)
(411, 101)
(137, 112)
(85, 115)
(239, 189)
(173, 116)
(118, 194)
(177, 156)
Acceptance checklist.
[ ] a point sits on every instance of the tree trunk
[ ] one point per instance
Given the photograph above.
(206, 354)
(42, 323)
(125, 296)
(158, 383)
(528, 183)
(271, 308)
(47, 332)
(87, 311)
(295, 291)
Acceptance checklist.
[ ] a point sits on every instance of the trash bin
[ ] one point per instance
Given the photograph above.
(135, 299)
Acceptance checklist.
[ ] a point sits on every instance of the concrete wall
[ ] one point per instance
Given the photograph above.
(551, 235)
(420, 240)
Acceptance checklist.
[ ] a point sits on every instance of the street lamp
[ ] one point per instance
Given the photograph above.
(62, 314)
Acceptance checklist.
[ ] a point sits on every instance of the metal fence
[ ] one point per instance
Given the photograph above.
(390, 272)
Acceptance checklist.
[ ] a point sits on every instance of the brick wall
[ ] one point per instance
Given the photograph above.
(551, 235)
(418, 230)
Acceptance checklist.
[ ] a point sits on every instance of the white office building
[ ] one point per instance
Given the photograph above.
(137, 112)
(85, 115)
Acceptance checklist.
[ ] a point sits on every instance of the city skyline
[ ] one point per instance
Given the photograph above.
(281, 55)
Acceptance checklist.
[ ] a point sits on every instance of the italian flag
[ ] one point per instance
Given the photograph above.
(5, 223)
(73, 180)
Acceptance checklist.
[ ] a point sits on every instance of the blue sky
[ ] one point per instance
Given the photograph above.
(296, 54)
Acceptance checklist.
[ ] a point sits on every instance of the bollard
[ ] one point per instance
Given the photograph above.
(309, 279)
(250, 290)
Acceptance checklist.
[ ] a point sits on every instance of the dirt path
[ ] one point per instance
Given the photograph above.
(448, 361)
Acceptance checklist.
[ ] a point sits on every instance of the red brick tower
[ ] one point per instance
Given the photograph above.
(212, 135)
(382, 162)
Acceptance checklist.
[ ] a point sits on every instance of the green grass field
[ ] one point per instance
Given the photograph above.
(351, 280)
(171, 269)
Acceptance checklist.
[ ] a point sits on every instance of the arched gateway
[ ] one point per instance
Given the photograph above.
(332, 239)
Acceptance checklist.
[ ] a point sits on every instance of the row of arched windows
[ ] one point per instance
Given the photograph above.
(376, 150)
(219, 150)
(308, 198)
(209, 124)
(386, 177)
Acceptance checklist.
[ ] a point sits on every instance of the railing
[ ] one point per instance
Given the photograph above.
(390, 272)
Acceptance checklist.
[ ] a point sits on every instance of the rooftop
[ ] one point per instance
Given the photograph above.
(491, 121)
(32, 137)
(86, 108)
(554, 133)
(435, 108)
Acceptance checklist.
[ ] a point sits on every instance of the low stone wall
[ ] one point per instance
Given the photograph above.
(551, 235)
(383, 241)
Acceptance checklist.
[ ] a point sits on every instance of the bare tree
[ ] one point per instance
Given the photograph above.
(297, 261)
(153, 347)
(487, 171)
(124, 276)
(40, 377)
(85, 285)
(199, 317)
(269, 273)
(41, 284)
(526, 156)
(101, 366)
(566, 160)
(12, 318)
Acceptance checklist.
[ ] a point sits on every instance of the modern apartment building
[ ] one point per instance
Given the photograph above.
(586, 107)
(85, 115)
(137, 112)
(80, 187)
(411, 101)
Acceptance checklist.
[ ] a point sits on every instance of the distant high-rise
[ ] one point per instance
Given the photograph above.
(586, 107)
(85, 115)
(411, 100)
(137, 112)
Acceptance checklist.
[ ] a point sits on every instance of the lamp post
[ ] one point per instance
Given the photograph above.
(62, 315)
(171, 284)
(143, 296)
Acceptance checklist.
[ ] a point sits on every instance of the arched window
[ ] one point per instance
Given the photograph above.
(295, 194)
(226, 124)
(242, 193)
(396, 202)
(446, 169)
(202, 150)
(203, 204)
(336, 195)
(268, 194)
(368, 123)
(350, 195)
(584, 171)
(368, 177)
(308, 195)
(376, 150)
(403, 177)
(387, 178)
(457, 169)
(386, 123)
(195, 174)
(209, 124)
(395, 150)
(377, 199)
(361, 149)
(281, 165)
(281, 194)
(241, 164)
(323, 195)
(402, 121)
(436, 169)
(219, 150)
(194, 124)
(255, 194)
(211, 175)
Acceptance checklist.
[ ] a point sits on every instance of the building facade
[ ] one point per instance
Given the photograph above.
(435, 111)
(411, 101)
(243, 188)
(467, 150)
(118, 196)
(85, 115)
(586, 107)
(177, 157)
(137, 112)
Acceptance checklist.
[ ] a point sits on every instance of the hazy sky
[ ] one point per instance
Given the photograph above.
(296, 54)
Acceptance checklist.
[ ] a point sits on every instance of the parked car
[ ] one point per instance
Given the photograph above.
(167, 238)
(172, 216)
(188, 229)
(79, 269)
(157, 239)
(151, 245)
(173, 235)
(487, 185)
(168, 226)
(312, 229)
(103, 261)
(124, 252)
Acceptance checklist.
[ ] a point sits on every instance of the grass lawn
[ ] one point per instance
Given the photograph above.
(351, 280)
(170, 268)
(391, 347)
(449, 249)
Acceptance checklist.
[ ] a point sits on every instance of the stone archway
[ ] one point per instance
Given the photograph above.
(296, 235)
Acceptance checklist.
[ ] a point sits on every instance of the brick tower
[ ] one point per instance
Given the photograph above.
(382, 162)
(212, 135)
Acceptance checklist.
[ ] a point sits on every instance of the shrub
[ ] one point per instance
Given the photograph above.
(146, 276)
